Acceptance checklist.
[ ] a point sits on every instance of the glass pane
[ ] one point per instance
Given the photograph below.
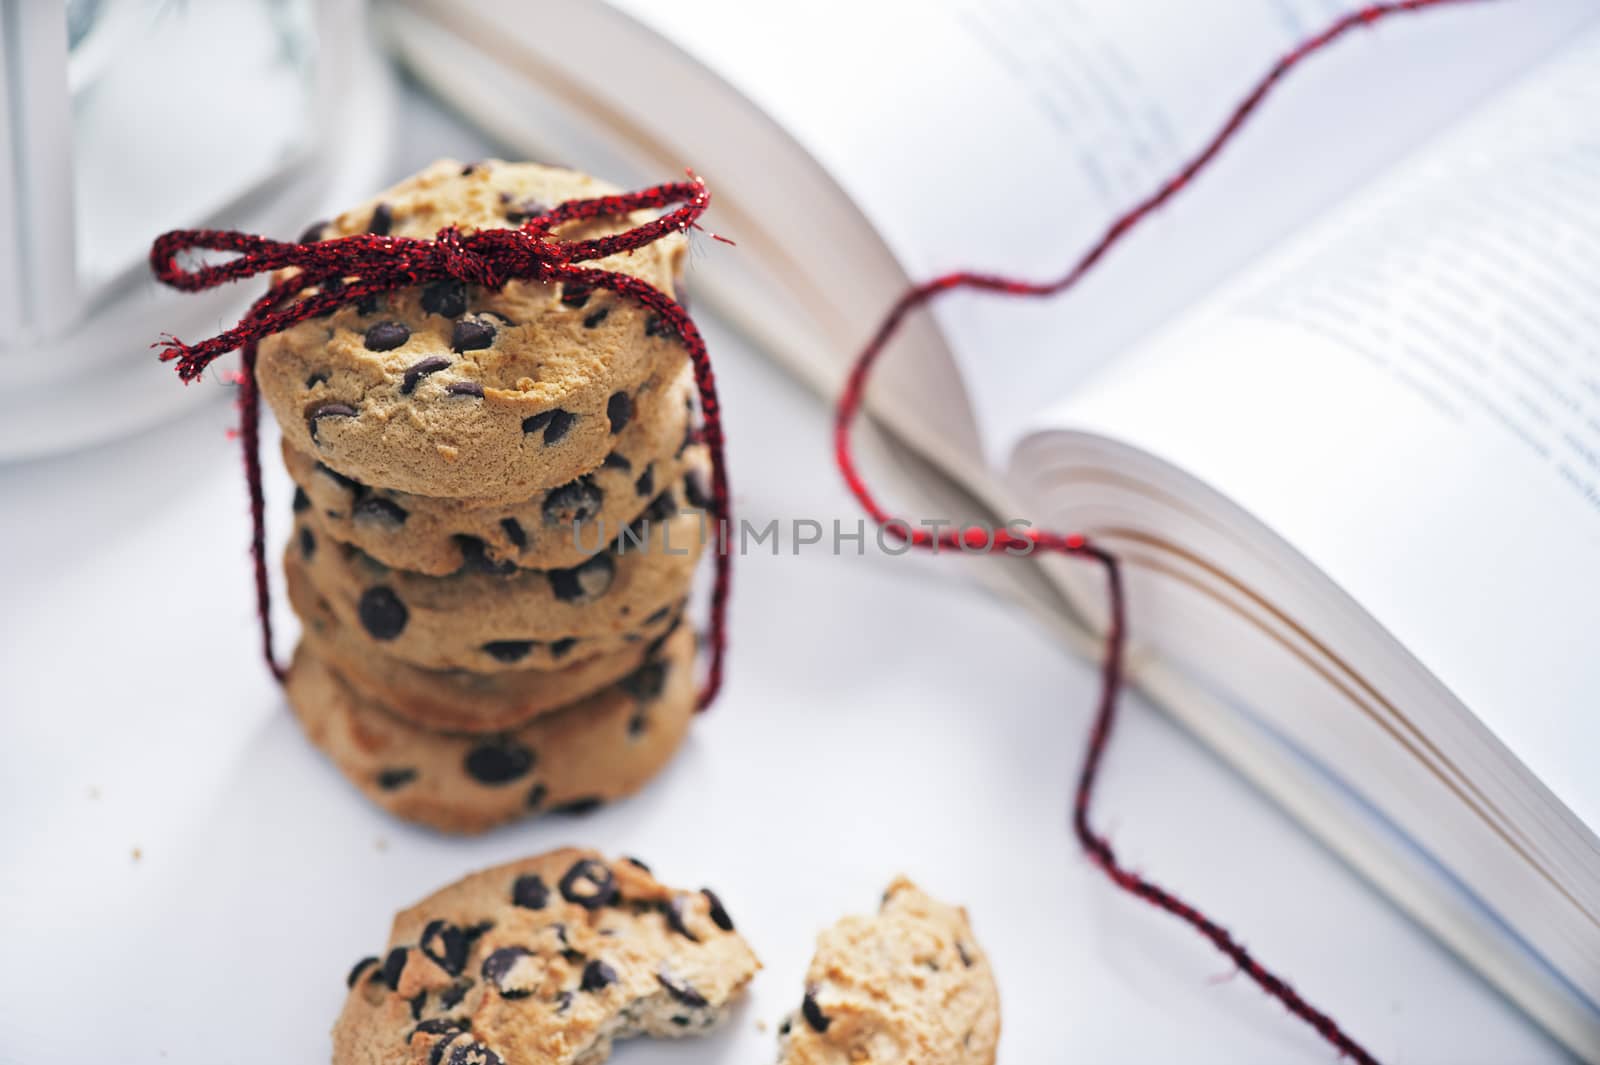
(180, 107)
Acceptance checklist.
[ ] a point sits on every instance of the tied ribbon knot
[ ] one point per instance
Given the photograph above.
(322, 276)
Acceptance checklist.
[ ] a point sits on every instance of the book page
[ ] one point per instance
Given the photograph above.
(1410, 396)
(1004, 135)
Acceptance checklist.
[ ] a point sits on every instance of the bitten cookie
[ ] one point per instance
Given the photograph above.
(596, 750)
(437, 536)
(909, 985)
(547, 960)
(456, 390)
(485, 620)
(452, 700)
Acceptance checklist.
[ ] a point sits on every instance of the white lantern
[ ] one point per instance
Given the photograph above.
(125, 118)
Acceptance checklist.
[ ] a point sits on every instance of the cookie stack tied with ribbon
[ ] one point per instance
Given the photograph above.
(499, 509)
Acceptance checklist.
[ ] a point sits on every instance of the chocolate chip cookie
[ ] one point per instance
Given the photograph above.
(909, 985)
(454, 700)
(550, 960)
(493, 617)
(439, 536)
(452, 389)
(592, 751)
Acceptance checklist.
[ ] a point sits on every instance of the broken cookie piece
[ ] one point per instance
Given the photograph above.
(909, 986)
(550, 960)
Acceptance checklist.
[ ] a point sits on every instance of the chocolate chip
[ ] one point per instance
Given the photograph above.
(439, 1025)
(513, 530)
(473, 1053)
(499, 762)
(786, 1027)
(597, 976)
(445, 945)
(382, 613)
(508, 651)
(386, 336)
(966, 958)
(615, 461)
(394, 779)
(380, 511)
(471, 334)
(656, 326)
(451, 996)
(417, 370)
(585, 582)
(559, 648)
(646, 682)
(308, 543)
(661, 508)
(646, 484)
(636, 863)
(659, 616)
(464, 388)
(719, 914)
(359, 967)
(436, 1055)
(446, 298)
(680, 991)
(498, 969)
(318, 378)
(637, 724)
(619, 409)
(331, 409)
(812, 1012)
(536, 796)
(382, 219)
(467, 171)
(572, 503)
(419, 1000)
(676, 908)
(563, 1001)
(302, 502)
(555, 424)
(694, 491)
(579, 807)
(530, 892)
(595, 317)
(575, 296)
(522, 211)
(313, 232)
(475, 557)
(589, 884)
(393, 965)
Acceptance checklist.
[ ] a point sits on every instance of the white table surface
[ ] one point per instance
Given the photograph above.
(183, 879)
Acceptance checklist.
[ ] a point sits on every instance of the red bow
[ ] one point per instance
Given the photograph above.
(331, 273)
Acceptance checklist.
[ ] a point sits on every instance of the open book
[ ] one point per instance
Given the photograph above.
(1338, 408)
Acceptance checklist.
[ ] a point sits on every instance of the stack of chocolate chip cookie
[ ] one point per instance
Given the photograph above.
(499, 508)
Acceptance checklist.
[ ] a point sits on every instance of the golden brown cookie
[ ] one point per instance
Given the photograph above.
(455, 390)
(436, 535)
(451, 700)
(908, 985)
(546, 960)
(596, 750)
(498, 618)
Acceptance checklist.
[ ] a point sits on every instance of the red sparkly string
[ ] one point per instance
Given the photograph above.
(332, 273)
(985, 540)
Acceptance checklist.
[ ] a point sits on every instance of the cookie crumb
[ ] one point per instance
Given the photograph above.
(761, 1025)
(138, 853)
(381, 843)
